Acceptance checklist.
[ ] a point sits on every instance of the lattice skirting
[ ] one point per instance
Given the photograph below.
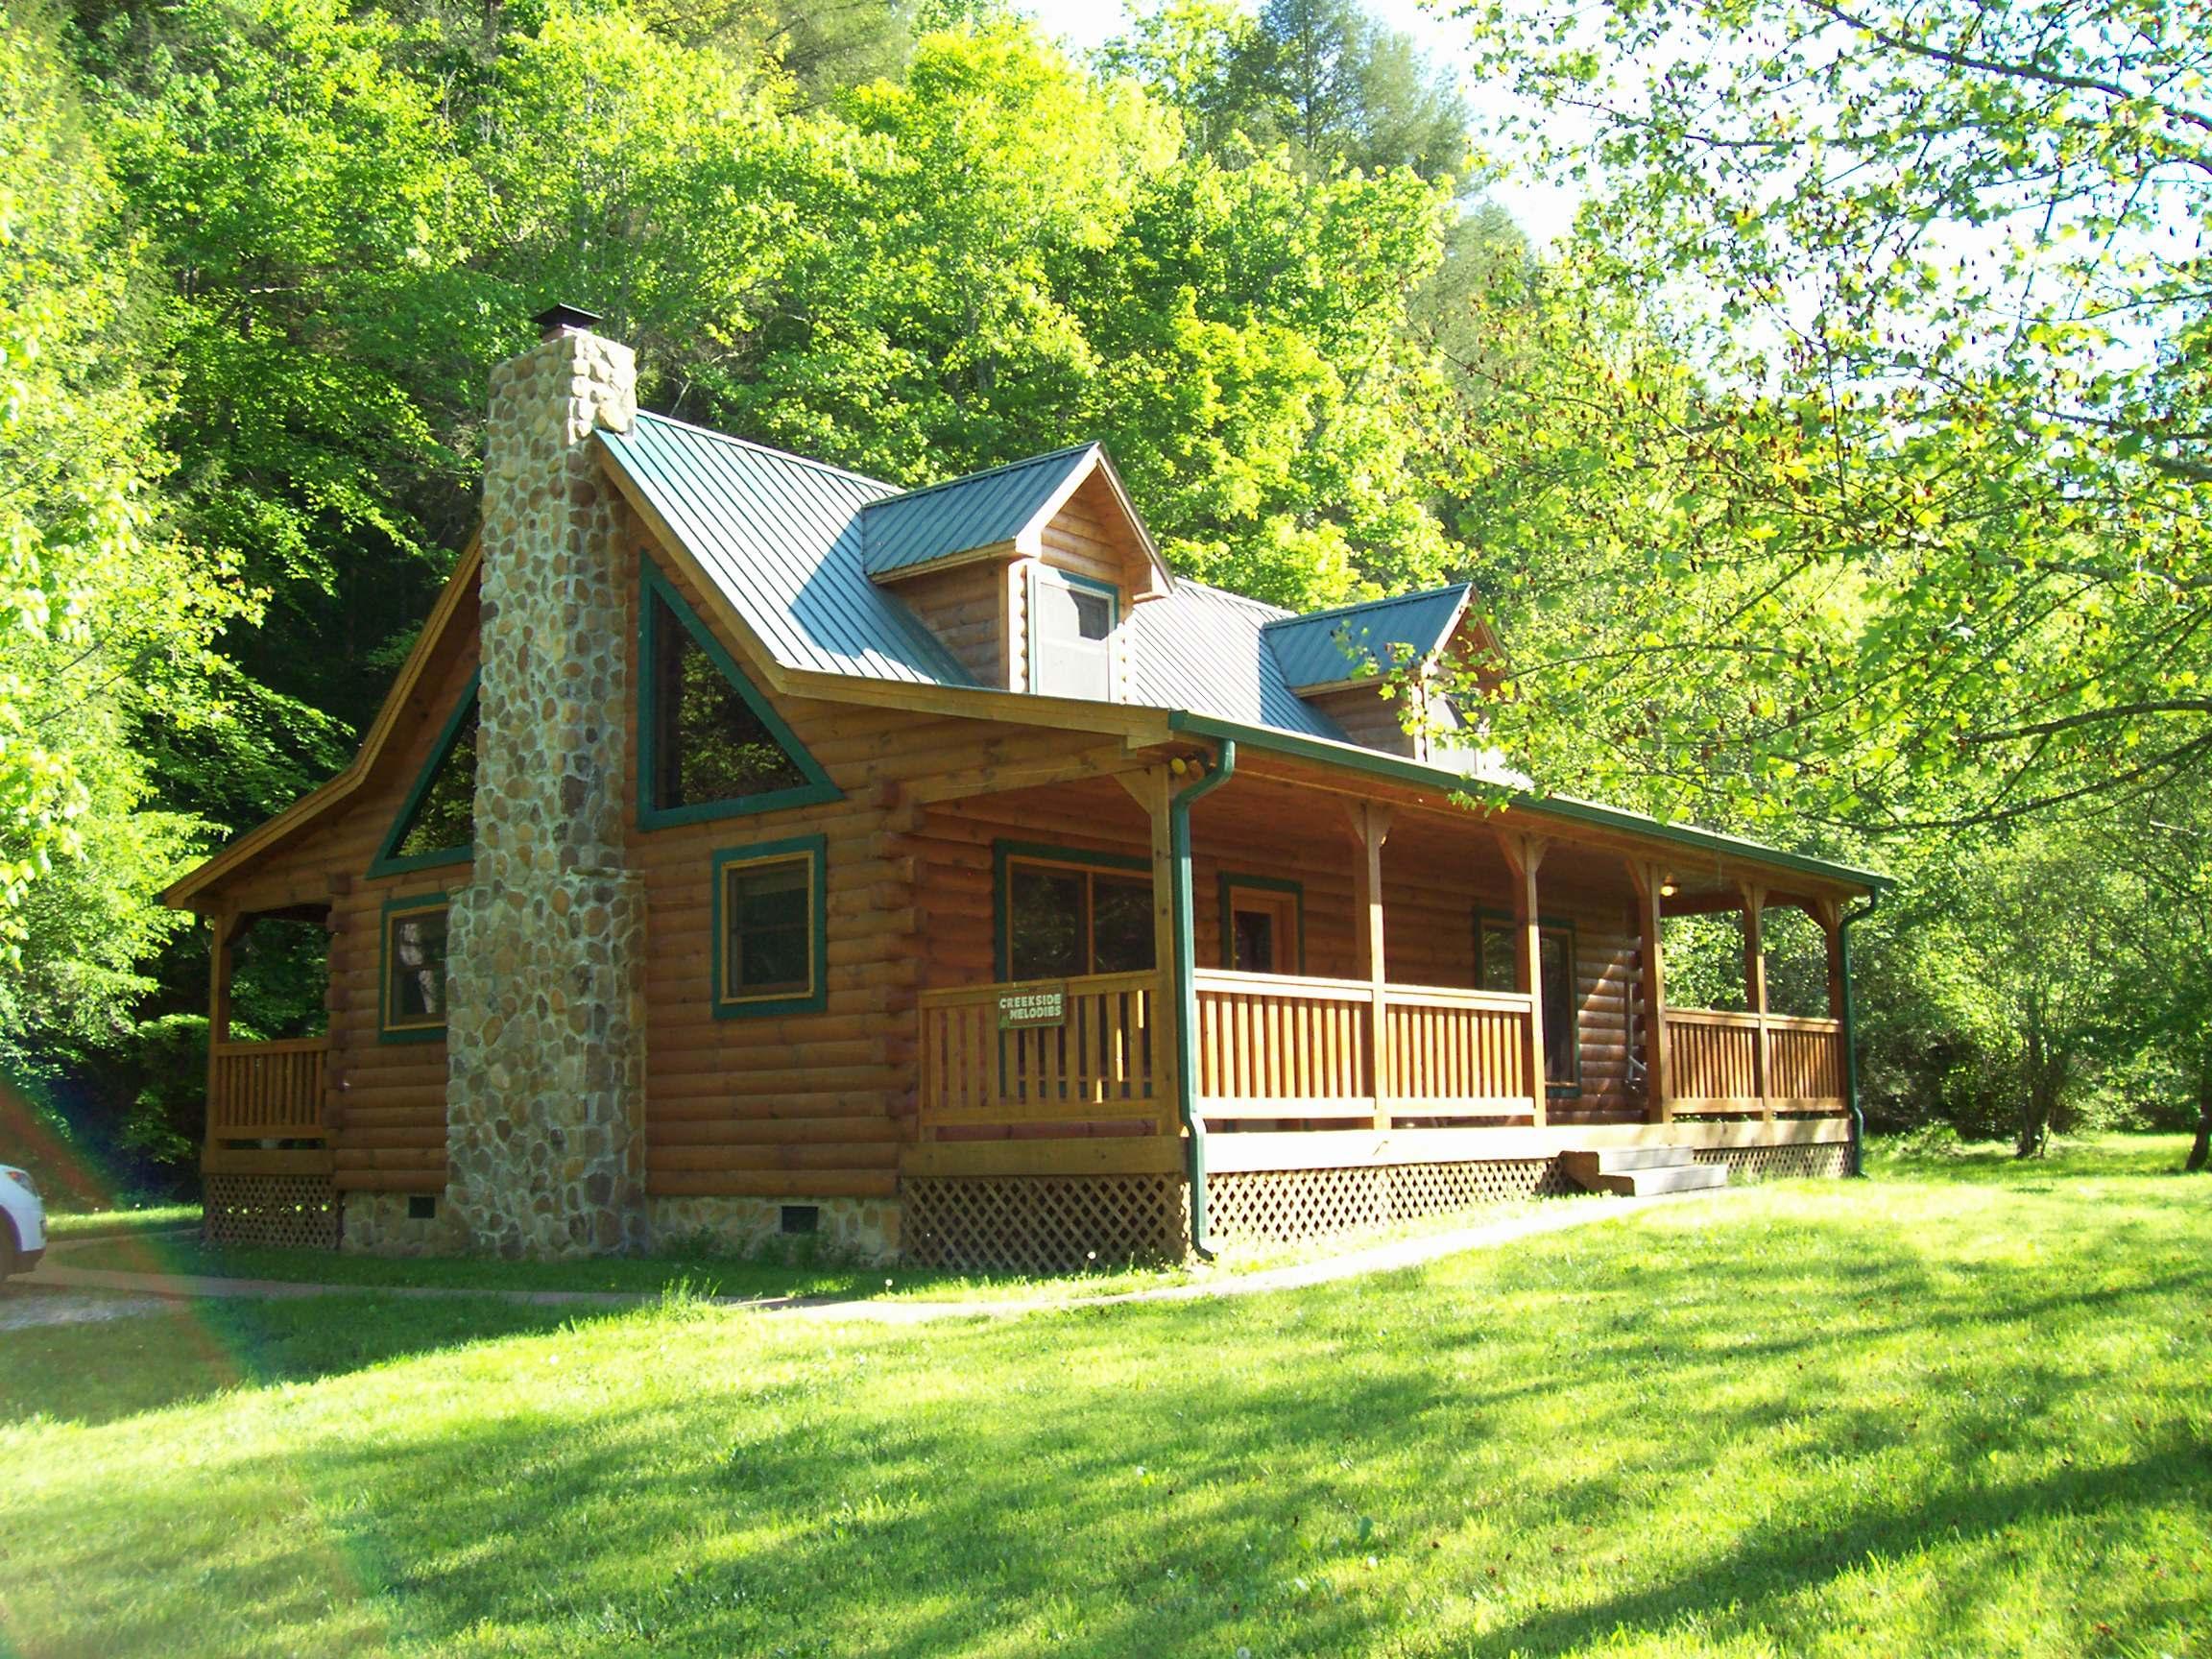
(1044, 1224)
(1747, 1163)
(1283, 1206)
(289, 1211)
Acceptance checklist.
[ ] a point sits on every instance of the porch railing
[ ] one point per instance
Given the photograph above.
(1099, 1064)
(1274, 1047)
(267, 1091)
(1723, 1061)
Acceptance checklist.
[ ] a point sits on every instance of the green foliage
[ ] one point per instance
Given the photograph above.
(1911, 482)
(1325, 78)
(107, 619)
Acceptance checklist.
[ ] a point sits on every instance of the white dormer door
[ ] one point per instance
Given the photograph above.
(1073, 623)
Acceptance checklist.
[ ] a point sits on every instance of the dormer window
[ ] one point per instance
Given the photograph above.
(1071, 624)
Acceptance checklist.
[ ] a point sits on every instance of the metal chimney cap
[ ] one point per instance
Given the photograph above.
(564, 320)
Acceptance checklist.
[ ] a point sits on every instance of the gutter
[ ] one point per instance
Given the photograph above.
(1851, 1031)
(1182, 984)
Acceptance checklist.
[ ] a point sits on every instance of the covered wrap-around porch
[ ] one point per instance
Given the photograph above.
(1200, 1064)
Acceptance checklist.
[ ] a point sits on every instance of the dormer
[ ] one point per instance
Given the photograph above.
(1028, 572)
(1360, 663)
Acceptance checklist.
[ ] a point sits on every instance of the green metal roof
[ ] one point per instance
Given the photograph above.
(1336, 753)
(780, 538)
(920, 527)
(1323, 647)
(784, 540)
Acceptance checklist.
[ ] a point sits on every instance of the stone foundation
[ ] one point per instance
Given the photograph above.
(377, 1224)
(859, 1229)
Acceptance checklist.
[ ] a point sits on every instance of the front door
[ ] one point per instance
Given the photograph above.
(1262, 930)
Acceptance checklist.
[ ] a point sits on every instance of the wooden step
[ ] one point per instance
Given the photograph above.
(1638, 1171)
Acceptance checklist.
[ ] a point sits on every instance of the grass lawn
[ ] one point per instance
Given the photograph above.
(1961, 1408)
(120, 1223)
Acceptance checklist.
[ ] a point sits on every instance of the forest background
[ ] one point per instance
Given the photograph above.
(1842, 477)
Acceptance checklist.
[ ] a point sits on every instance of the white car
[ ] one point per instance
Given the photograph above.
(22, 1221)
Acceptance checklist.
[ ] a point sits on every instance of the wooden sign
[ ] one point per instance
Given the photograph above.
(1032, 1007)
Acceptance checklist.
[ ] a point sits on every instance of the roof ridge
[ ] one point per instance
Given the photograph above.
(1037, 460)
(1329, 610)
(760, 449)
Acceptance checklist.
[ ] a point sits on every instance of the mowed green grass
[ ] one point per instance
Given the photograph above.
(1961, 1409)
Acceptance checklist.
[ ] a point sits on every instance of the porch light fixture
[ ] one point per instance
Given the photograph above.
(1666, 889)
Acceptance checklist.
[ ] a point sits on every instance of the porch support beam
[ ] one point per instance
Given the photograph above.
(1153, 790)
(1755, 990)
(1524, 854)
(1829, 913)
(1650, 882)
(1370, 830)
(223, 928)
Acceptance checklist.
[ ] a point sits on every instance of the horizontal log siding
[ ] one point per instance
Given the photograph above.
(386, 1106)
(966, 608)
(1369, 719)
(816, 1104)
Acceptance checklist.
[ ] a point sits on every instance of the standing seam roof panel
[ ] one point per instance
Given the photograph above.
(1324, 646)
(778, 537)
(903, 532)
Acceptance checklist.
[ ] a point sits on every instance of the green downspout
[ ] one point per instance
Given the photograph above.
(1184, 972)
(1851, 1032)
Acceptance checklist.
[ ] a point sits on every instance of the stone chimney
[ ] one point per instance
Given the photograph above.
(544, 1137)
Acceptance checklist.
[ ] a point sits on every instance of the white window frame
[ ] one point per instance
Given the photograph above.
(1039, 575)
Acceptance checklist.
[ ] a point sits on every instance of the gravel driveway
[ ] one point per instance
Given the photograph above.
(20, 1308)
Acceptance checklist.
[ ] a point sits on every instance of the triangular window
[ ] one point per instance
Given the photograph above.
(437, 825)
(711, 744)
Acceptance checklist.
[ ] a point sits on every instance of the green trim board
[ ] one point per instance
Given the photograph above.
(655, 592)
(1488, 916)
(399, 905)
(388, 860)
(1413, 772)
(1003, 854)
(1231, 879)
(815, 851)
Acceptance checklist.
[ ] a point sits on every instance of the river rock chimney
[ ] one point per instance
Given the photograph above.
(545, 1023)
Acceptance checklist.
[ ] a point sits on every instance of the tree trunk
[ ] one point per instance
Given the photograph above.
(2035, 1103)
(2200, 1148)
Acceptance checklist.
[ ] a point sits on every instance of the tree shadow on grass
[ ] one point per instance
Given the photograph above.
(103, 1371)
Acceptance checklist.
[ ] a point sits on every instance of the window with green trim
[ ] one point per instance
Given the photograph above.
(710, 745)
(437, 823)
(1498, 968)
(1065, 918)
(413, 996)
(771, 928)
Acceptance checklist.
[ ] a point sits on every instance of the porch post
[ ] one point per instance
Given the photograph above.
(1651, 880)
(1152, 789)
(1371, 825)
(1524, 854)
(1829, 913)
(1755, 989)
(221, 932)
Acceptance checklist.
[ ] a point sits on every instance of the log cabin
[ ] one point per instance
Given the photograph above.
(749, 847)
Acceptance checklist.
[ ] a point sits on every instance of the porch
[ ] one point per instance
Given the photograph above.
(1291, 1059)
(1278, 1101)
